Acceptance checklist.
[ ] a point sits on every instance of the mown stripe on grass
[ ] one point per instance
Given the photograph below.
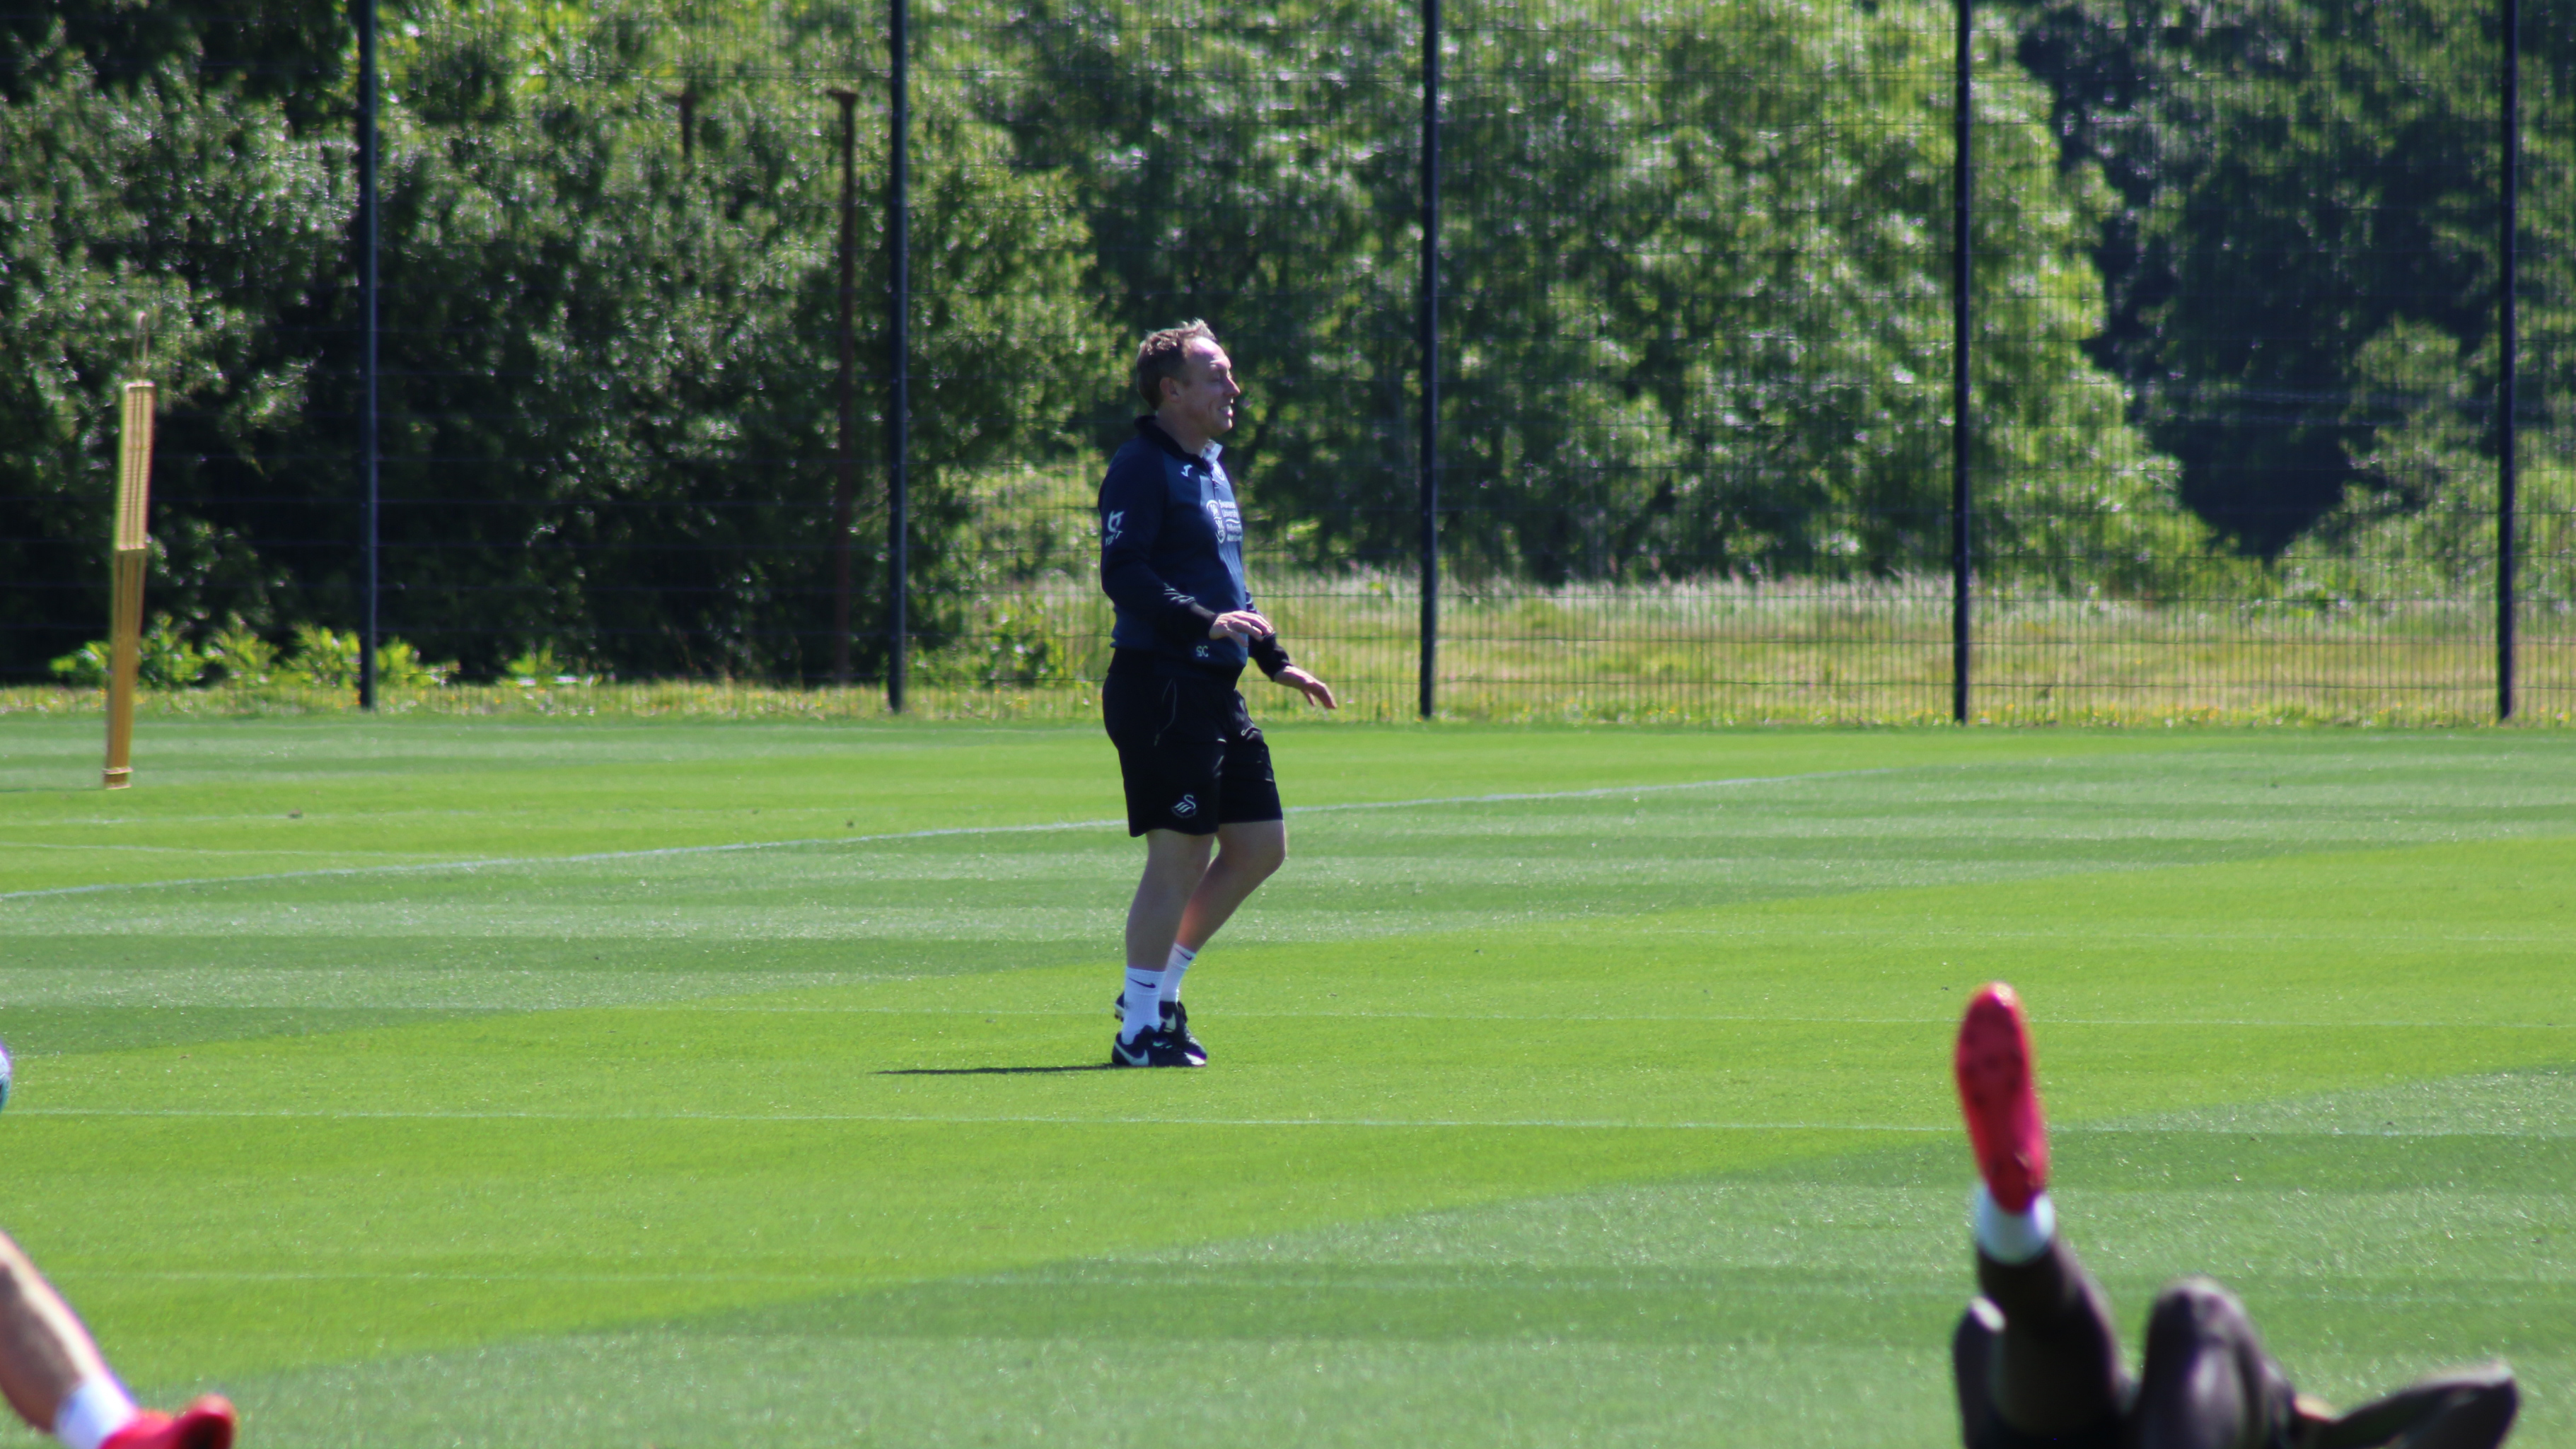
(1370, 1123)
(812, 842)
(966, 1119)
(1942, 1019)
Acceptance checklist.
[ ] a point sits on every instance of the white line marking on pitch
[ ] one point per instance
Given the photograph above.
(596, 857)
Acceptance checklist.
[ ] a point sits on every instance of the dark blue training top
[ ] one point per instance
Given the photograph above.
(1171, 556)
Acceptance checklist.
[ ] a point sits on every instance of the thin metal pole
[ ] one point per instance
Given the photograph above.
(845, 487)
(367, 293)
(687, 101)
(898, 348)
(2507, 339)
(1963, 187)
(1429, 483)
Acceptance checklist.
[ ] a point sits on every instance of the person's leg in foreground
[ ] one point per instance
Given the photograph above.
(55, 1377)
(2035, 1357)
(2036, 1361)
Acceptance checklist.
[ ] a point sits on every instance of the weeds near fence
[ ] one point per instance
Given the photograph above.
(1871, 652)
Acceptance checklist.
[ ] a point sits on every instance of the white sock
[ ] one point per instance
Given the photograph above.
(2012, 1237)
(1143, 1001)
(98, 1408)
(1173, 969)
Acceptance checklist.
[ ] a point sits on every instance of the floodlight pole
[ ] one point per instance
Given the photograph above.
(845, 486)
(1428, 486)
(1963, 189)
(898, 346)
(367, 293)
(2507, 339)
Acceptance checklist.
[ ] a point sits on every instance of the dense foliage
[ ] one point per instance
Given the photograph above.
(1695, 275)
(2303, 265)
(150, 165)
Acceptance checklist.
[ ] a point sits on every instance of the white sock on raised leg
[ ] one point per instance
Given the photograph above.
(98, 1408)
(2012, 1237)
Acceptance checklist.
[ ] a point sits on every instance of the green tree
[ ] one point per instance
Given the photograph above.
(2306, 188)
(171, 186)
(1694, 264)
(615, 417)
(1702, 275)
(1254, 167)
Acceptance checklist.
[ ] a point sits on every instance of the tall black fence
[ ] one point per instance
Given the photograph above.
(1607, 358)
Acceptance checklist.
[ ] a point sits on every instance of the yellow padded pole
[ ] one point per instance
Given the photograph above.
(125, 623)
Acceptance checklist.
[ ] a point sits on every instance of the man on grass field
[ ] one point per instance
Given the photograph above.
(1195, 766)
(2037, 1361)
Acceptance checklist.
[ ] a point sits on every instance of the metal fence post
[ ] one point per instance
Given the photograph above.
(2507, 342)
(1428, 486)
(898, 349)
(845, 486)
(1963, 189)
(367, 280)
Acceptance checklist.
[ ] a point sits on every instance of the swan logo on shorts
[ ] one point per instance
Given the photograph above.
(1185, 807)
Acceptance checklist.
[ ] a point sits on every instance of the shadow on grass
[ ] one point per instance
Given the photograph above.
(987, 1071)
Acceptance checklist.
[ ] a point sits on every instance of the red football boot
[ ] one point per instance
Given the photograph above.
(2000, 1100)
(205, 1424)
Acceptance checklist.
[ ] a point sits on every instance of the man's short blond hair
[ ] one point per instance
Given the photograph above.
(1164, 354)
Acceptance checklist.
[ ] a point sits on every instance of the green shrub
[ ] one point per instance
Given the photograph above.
(328, 659)
(536, 665)
(400, 666)
(165, 660)
(85, 667)
(244, 657)
(323, 658)
(1022, 644)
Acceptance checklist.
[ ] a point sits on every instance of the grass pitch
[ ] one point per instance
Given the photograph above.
(434, 1083)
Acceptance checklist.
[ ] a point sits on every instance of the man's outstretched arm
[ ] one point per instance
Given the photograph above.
(2466, 1409)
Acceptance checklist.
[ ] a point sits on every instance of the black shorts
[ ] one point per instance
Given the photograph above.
(1190, 754)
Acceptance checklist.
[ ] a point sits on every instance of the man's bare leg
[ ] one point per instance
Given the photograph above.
(1175, 863)
(56, 1379)
(1175, 866)
(1182, 900)
(1246, 855)
(45, 1353)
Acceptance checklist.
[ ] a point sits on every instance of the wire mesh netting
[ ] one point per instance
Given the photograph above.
(2545, 406)
(2302, 258)
(2232, 438)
